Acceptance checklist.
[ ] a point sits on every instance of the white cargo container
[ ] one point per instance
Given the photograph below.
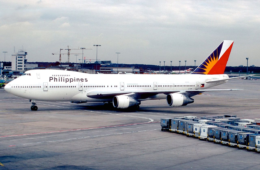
(242, 124)
(204, 131)
(220, 120)
(203, 121)
(248, 120)
(257, 143)
(197, 128)
(190, 117)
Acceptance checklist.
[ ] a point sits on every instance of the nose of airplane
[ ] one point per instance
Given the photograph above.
(7, 88)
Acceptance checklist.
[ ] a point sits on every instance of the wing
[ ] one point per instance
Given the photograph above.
(223, 80)
(149, 94)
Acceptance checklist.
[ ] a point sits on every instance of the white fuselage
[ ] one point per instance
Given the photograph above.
(58, 85)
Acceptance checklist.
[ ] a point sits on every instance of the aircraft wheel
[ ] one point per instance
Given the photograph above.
(34, 108)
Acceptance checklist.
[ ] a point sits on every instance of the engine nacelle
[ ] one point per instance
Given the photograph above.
(124, 102)
(177, 99)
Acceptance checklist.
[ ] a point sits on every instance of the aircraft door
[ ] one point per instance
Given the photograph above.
(45, 86)
(38, 75)
(122, 86)
(80, 86)
(197, 85)
(155, 85)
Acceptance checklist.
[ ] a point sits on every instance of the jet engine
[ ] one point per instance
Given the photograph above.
(124, 102)
(177, 99)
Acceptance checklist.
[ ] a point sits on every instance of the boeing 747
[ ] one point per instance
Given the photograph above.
(123, 90)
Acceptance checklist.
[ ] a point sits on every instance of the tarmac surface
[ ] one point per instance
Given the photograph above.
(62, 135)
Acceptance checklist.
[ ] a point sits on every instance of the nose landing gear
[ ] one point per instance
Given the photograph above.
(33, 107)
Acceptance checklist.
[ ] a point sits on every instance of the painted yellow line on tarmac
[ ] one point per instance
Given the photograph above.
(1, 164)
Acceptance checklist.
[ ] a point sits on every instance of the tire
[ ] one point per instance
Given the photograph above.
(34, 108)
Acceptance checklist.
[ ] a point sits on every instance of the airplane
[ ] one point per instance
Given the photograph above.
(181, 71)
(123, 91)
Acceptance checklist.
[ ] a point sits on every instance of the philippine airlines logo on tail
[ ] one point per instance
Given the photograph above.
(217, 61)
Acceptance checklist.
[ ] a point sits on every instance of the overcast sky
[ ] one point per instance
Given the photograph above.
(144, 32)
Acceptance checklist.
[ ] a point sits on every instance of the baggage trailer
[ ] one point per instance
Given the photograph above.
(217, 134)
(237, 128)
(229, 116)
(189, 122)
(203, 121)
(234, 118)
(243, 124)
(174, 124)
(215, 123)
(242, 139)
(252, 142)
(232, 135)
(181, 125)
(257, 143)
(190, 127)
(190, 117)
(204, 131)
(254, 131)
(220, 120)
(165, 124)
(252, 121)
(197, 129)
(225, 136)
(231, 122)
(211, 133)
(254, 127)
(218, 117)
(224, 125)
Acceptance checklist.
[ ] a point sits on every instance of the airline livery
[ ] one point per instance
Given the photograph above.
(123, 90)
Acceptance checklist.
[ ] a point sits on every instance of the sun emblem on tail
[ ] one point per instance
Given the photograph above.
(210, 62)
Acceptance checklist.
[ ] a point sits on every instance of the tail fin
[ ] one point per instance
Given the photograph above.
(217, 61)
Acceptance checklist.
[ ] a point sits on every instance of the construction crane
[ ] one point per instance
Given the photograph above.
(59, 54)
(68, 53)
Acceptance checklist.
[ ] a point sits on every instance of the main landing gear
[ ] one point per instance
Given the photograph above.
(33, 107)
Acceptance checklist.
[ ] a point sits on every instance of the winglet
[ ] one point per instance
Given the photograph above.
(217, 61)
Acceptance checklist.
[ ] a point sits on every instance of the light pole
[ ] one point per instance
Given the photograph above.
(247, 66)
(76, 57)
(4, 54)
(117, 60)
(96, 45)
(179, 67)
(60, 55)
(164, 66)
(160, 65)
(185, 64)
(171, 65)
(195, 63)
(82, 48)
